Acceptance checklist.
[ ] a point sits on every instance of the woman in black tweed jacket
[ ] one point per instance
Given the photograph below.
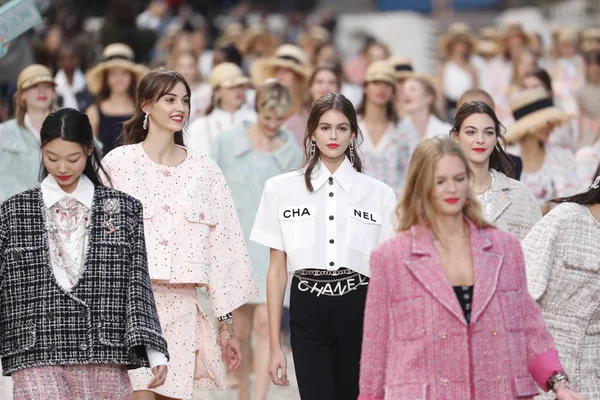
(76, 306)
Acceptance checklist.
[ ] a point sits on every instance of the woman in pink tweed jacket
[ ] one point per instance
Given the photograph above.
(448, 315)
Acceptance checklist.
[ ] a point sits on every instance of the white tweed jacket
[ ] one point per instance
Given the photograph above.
(510, 205)
(562, 258)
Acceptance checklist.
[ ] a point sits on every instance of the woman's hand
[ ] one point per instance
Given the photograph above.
(231, 352)
(160, 374)
(277, 363)
(568, 394)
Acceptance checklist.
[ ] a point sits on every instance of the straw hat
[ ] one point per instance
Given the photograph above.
(227, 75)
(232, 34)
(567, 35)
(533, 110)
(487, 48)
(116, 55)
(254, 34)
(516, 29)
(380, 71)
(286, 56)
(402, 66)
(33, 75)
(458, 31)
(489, 33)
(591, 34)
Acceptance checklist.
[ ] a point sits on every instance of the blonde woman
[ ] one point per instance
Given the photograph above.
(249, 154)
(19, 137)
(227, 107)
(420, 99)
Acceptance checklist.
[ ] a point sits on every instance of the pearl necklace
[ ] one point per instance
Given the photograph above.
(489, 186)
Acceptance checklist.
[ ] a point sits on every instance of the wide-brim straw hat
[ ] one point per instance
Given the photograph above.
(487, 48)
(457, 32)
(402, 66)
(489, 33)
(515, 28)
(380, 71)
(286, 56)
(590, 34)
(33, 75)
(533, 110)
(255, 33)
(116, 55)
(227, 75)
(567, 35)
(232, 34)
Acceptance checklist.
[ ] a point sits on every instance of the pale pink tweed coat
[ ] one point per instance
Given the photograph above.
(416, 342)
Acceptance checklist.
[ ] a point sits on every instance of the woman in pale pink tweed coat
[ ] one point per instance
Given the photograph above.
(448, 315)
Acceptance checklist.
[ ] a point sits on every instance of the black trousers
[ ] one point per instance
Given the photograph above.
(326, 338)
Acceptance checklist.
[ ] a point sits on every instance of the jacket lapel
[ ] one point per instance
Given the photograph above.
(486, 265)
(499, 199)
(428, 270)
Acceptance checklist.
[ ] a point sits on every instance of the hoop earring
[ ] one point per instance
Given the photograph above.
(312, 150)
(352, 153)
(145, 124)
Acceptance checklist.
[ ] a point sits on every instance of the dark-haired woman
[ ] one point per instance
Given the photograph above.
(562, 257)
(388, 143)
(77, 310)
(193, 234)
(321, 223)
(113, 82)
(506, 202)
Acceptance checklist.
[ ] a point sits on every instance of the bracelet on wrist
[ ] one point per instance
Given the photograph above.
(226, 326)
(225, 317)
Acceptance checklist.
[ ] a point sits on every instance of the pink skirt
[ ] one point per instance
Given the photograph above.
(72, 382)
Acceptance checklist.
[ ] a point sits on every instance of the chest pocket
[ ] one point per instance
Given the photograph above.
(364, 228)
(199, 221)
(298, 226)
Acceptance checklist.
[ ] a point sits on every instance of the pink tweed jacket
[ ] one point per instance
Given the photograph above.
(416, 342)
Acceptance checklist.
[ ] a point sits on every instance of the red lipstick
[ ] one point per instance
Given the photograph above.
(42, 98)
(333, 145)
(452, 200)
(479, 150)
(64, 177)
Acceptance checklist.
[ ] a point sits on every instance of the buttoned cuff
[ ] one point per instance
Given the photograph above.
(155, 357)
(544, 366)
(266, 239)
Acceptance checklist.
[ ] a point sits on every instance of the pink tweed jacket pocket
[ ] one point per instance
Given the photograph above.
(417, 344)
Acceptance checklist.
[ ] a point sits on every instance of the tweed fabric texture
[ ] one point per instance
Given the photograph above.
(73, 382)
(562, 255)
(110, 313)
(417, 344)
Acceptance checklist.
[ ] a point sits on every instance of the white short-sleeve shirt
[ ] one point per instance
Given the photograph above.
(336, 226)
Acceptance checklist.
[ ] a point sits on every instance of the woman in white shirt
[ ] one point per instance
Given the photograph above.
(321, 223)
(226, 110)
(388, 143)
(420, 99)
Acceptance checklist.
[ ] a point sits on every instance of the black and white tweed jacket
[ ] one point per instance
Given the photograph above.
(107, 317)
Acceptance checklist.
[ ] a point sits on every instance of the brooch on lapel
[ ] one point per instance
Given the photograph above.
(111, 207)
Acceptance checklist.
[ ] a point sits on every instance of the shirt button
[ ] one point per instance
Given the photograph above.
(83, 347)
(331, 194)
(331, 180)
(443, 382)
(494, 332)
(50, 315)
(331, 217)
(331, 241)
(331, 264)
(443, 335)
(82, 313)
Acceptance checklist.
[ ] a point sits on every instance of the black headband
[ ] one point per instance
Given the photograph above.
(116, 57)
(290, 58)
(533, 107)
(403, 67)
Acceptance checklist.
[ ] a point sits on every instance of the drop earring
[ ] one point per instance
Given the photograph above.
(145, 124)
(352, 153)
(313, 145)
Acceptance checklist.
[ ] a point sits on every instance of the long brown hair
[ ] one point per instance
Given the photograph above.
(330, 101)
(390, 107)
(152, 87)
(499, 160)
(105, 91)
(416, 205)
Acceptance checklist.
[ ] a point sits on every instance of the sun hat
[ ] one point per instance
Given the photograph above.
(33, 75)
(286, 56)
(256, 33)
(380, 71)
(533, 110)
(487, 48)
(116, 55)
(458, 31)
(227, 75)
(489, 33)
(567, 35)
(402, 66)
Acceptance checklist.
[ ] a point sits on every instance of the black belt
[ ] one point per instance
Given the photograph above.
(329, 283)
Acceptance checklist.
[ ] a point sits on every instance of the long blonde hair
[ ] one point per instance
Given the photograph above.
(416, 205)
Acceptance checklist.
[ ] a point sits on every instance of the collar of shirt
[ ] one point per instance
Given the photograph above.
(283, 155)
(52, 192)
(345, 175)
(62, 83)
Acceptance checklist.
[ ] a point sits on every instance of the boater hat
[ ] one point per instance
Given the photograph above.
(458, 31)
(402, 66)
(380, 71)
(533, 110)
(286, 56)
(227, 75)
(116, 55)
(33, 75)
